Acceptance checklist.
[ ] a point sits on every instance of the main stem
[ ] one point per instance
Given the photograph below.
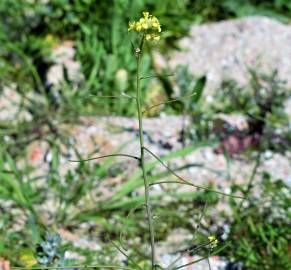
(142, 160)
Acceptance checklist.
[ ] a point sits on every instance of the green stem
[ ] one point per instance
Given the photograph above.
(105, 156)
(253, 175)
(142, 160)
(251, 180)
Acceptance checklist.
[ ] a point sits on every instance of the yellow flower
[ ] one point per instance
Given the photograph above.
(155, 37)
(148, 24)
(213, 241)
(148, 36)
(144, 23)
(152, 37)
(138, 27)
(131, 26)
(155, 23)
(146, 14)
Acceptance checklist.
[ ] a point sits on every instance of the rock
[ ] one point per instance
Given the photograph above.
(226, 49)
(105, 135)
(63, 58)
(11, 105)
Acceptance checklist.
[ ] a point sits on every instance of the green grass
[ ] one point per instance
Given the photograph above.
(74, 203)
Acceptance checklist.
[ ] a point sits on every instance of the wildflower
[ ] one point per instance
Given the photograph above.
(155, 24)
(145, 23)
(138, 26)
(146, 14)
(131, 26)
(152, 37)
(213, 241)
(148, 24)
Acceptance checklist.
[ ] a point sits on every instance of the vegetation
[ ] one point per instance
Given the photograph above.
(31, 29)
(56, 215)
(259, 228)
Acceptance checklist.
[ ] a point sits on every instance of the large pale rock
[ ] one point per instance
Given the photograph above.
(226, 49)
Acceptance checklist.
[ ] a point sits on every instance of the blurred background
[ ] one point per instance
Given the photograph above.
(58, 57)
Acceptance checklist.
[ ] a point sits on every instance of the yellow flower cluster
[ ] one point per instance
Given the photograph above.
(149, 24)
(213, 242)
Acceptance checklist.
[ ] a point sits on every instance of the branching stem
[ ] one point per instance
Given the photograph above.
(169, 101)
(142, 159)
(121, 96)
(105, 156)
(184, 181)
(156, 76)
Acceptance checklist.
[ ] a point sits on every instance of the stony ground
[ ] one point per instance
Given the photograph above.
(107, 133)
(226, 49)
(220, 50)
